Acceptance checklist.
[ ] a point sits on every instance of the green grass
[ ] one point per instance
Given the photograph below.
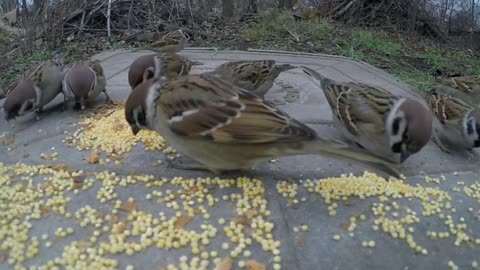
(279, 27)
(367, 42)
(415, 66)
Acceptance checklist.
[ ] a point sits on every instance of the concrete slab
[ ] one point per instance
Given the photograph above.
(312, 249)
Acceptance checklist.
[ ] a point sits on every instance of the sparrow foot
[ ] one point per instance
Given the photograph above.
(191, 166)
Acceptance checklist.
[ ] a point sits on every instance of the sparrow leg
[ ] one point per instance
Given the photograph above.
(37, 113)
(471, 154)
(191, 166)
(82, 103)
(108, 99)
(65, 101)
(77, 104)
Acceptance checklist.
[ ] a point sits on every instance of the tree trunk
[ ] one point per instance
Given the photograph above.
(473, 24)
(286, 4)
(253, 6)
(7, 6)
(37, 5)
(325, 6)
(227, 8)
(25, 8)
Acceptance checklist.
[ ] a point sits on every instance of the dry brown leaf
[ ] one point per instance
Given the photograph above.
(242, 220)
(225, 264)
(45, 184)
(78, 182)
(99, 214)
(93, 158)
(61, 167)
(253, 265)
(182, 221)
(113, 219)
(3, 255)
(348, 203)
(251, 214)
(345, 226)
(44, 210)
(121, 227)
(290, 202)
(129, 206)
(8, 140)
(83, 245)
(301, 241)
(118, 127)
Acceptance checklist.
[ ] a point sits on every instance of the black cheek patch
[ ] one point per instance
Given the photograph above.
(397, 148)
(470, 127)
(141, 119)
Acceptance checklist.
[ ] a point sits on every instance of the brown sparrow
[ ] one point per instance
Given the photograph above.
(224, 127)
(385, 125)
(465, 87)
(142, 68)
(83, 82)
(255, 76)
(456, 124)
(171, 42)
(39, 85)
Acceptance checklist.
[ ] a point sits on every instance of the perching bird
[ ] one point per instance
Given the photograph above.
(224, 127)
(171, 42)
(83, 82)
(39, 85)
(142, 67)
(456, 124)
(385, 125)
(465, 87)
(255, 76)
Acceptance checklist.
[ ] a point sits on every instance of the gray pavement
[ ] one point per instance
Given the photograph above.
(311, 249)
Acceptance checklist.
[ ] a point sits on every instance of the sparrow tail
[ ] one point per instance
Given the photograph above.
(340, 150)
(286, 67)
(196, 63)
(324, 81)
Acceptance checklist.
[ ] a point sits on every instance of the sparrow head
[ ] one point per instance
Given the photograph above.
(472, 127)
(79, 80)
(140, 107)
(184, 34)
(58, 57)
(136, 107)
(409, 126)
(21, 100)
(136, 73)
(97, 67)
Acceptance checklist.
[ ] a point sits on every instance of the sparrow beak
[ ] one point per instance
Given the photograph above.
(135, 129)
(403, 157)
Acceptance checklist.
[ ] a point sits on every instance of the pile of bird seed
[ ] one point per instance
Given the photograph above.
(109, 132)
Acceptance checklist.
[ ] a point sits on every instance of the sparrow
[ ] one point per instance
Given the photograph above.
(224, 127)
(39, 85)
(171, 42)
(142, 67)
(255, 76)
(456, 124)
(83, 82)
(385, 125)
(465, 87)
